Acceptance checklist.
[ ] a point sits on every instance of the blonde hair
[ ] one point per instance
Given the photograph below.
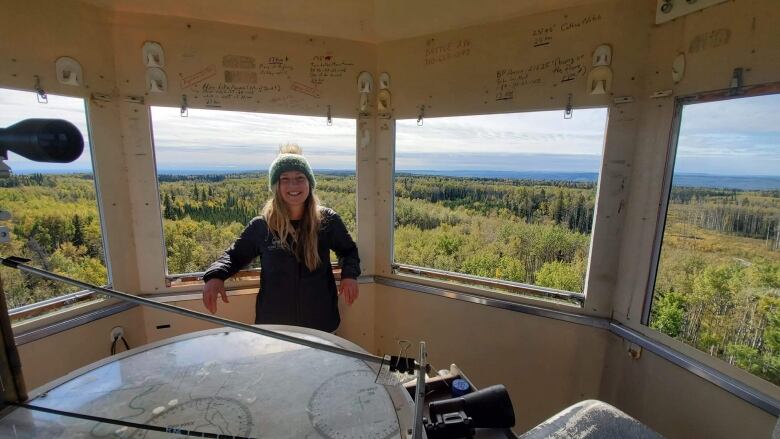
(277, 216)
(290, 148)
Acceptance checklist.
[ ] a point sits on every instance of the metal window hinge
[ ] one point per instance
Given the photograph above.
(40, 93)
(735, 87)
(421, 116)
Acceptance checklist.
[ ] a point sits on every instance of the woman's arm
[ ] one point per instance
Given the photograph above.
(345, 248)
(241, 253)
(347, 253)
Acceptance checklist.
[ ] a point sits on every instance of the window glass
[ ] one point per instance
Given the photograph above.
(717, 286)
(212, 170)
(55, 219)
(506, 197)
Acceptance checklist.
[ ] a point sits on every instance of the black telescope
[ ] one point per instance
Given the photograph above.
(42, 140)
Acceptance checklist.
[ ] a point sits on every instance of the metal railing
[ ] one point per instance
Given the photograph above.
(504, 286)
(248, 274)
(36, 309)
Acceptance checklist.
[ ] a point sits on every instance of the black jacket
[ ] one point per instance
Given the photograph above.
(290, 294)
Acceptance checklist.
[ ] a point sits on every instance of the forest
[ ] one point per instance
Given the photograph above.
(718, 285)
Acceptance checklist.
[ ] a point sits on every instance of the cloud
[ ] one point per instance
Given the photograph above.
(751, 116)
(731, 137)
(543, 132)
(498, 162)
(247, 140)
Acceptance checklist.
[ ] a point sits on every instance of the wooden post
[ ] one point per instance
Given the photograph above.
(11, 379)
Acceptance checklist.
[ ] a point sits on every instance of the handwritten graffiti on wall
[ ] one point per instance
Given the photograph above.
(553, 70)
(544, 35)
(439, 52)
(238, 62)
(305, 89)
(709, 40)
(243, 79)
(275, 66)
(197, 77)
(216, 94)
(323, 67)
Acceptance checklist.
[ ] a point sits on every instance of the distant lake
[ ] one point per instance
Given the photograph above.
(758, 182)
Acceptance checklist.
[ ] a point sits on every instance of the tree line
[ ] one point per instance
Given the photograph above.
(718, 284)
(537, 202)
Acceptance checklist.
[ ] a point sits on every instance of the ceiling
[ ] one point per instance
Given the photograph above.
(372, 21)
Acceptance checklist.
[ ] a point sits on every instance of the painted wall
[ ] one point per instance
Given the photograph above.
(676, 403)
(51, 357)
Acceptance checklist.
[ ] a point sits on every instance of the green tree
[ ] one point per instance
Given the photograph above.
(561, 275)
(669, 313)
(78, 231)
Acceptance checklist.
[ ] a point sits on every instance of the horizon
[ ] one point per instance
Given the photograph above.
(727, 138)
(455, 172)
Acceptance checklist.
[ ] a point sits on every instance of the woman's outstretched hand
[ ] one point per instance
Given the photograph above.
(348, 289)
(212, 289)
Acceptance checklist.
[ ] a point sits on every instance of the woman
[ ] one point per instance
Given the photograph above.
(293, 237)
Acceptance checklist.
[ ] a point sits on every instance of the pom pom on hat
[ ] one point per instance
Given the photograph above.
(290, 158)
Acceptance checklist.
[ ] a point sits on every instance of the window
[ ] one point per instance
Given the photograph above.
(507, 200)
(717, 284)
(212, 170)
(55, 219)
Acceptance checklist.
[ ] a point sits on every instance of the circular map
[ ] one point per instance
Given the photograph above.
(351, 406)
(221, 381)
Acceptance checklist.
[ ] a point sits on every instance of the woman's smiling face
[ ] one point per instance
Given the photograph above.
(294, 188)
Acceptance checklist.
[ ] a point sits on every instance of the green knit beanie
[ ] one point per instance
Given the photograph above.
(290, 162)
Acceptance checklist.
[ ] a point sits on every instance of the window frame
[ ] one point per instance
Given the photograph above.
(671, 156)
(502, 289)
(245, 278)
(48, 307)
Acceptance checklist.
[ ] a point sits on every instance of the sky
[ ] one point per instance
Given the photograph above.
(731, 137)
(735, 137)
(226, 140)
(538, 141)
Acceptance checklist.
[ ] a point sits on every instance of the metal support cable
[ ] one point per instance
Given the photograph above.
(136, 425)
